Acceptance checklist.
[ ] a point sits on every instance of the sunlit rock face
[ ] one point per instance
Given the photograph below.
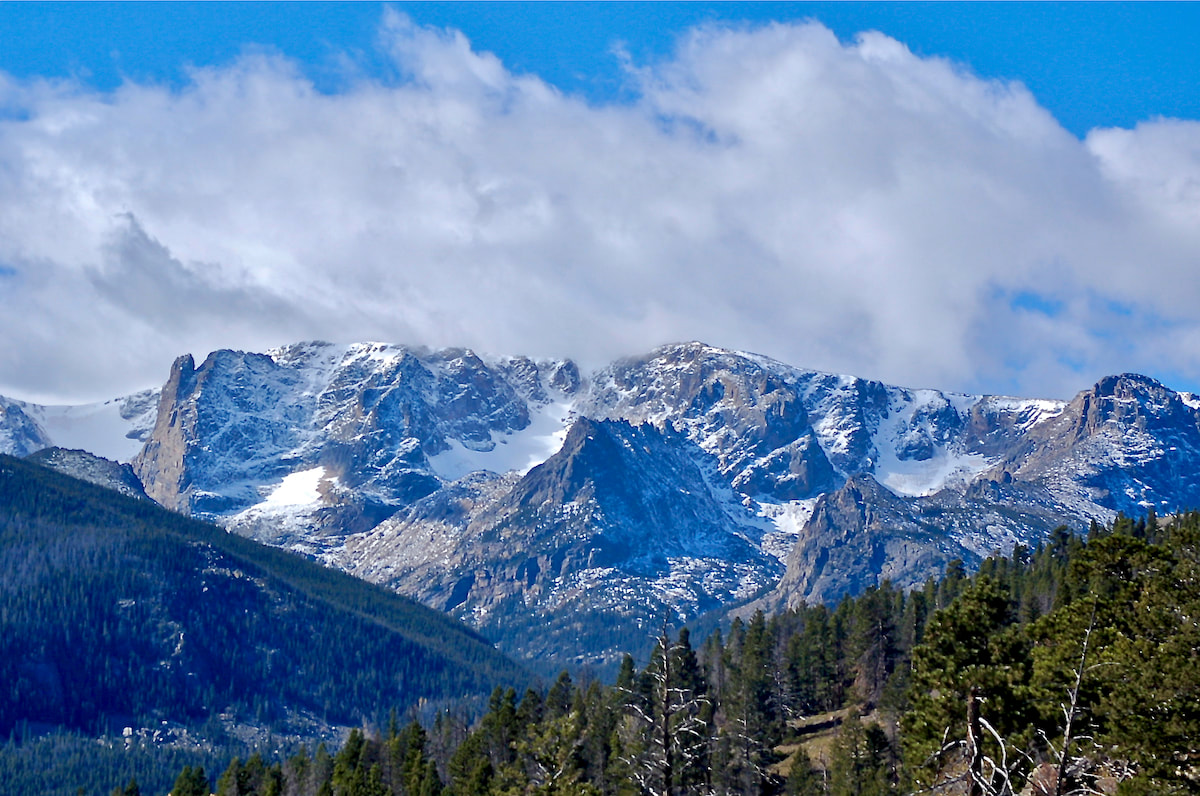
(567, 515)
(235, 436)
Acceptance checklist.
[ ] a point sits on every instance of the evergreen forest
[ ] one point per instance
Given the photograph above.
(116, 613)
(1071, 668)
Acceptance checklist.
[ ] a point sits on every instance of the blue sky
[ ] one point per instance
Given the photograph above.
(996, 197)
(1090, 64)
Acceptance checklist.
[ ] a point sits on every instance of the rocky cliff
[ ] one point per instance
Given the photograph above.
(563, 512)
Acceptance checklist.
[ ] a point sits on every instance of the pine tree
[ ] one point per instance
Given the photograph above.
(969, 680)
(1152, 596)
(559, 697)
(191, 782)
(861, 763)
(131, 789)
(665, 738)
(803, 779)
(872, 645)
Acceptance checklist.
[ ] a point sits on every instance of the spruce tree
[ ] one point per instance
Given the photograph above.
(970, 673)
(191, 782)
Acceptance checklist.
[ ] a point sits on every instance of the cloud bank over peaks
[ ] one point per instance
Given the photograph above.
(845, 206)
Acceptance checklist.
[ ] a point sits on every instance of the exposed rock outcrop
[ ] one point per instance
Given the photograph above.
(93, 469)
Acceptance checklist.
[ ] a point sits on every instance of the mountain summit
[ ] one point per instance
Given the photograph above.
(564, 514)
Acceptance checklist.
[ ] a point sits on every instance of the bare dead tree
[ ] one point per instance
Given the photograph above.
(993, 776)
(675, 736)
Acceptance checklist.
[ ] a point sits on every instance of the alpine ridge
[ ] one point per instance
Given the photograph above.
(119, 613)
(567, 516)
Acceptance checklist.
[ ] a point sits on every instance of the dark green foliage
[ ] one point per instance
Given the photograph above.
(560, 696)
(863, 762)
(996, 657)
(972, 652)
(1140, 693)
(132, 789)
(115, 612)
(873, 643)
(1083, 659)
(666, 725)
(815, 663)
(252, 778)
(1079, 659)
(752, 700)
(191, 782)
(803, 778)
(62, 764)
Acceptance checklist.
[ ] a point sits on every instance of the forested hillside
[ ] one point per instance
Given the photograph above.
(115, 612)
(1068, 669)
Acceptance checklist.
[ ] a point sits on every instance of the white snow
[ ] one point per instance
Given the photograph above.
(915, 479)
(316, 361)
(289, 511)
(788, 520)
(962, 402)
(912, 478)
(832, 422)
(100, 428)
(297, 489)
(1035, 410)
(519, 451)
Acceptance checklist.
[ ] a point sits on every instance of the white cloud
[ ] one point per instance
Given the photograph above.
(849, 207)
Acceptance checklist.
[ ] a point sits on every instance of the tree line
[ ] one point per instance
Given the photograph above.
(1071, 668)
(116, 612)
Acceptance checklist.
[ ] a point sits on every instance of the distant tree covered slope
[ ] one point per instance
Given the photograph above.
(114, 610)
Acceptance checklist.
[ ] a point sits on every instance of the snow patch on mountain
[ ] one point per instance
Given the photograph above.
(947, 468)
(516, 451)
(787, 520)
(917, 456)
(1031, 411)
(298, 489)
(115, 429)
(291, 513)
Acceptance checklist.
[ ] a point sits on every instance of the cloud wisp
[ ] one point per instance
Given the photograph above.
(843, 206)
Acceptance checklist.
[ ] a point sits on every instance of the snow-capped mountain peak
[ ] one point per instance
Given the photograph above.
(115, 429)
(522, 495)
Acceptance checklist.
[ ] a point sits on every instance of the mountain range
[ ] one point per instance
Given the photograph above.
(567, 516)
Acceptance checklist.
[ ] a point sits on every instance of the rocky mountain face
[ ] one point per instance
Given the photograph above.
(93, 469)
(624, 526)
(20, 434)
(569, 517)
(307, 444)
(1128, 443)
